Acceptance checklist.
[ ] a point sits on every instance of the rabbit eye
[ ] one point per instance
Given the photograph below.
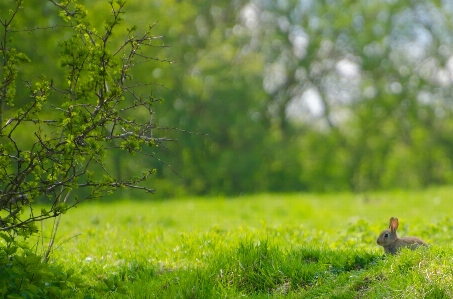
(386, 235)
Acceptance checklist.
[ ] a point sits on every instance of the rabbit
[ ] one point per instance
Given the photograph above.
(391, 243)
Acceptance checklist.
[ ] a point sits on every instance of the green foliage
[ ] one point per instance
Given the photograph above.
(58, 146)
(279, 246)
(294, 96)
(61, 123)
(24, 275)
(301, 96)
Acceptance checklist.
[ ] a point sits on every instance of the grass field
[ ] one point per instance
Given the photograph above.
(261, 246)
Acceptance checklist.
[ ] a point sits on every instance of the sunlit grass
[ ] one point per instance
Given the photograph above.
(282, 245)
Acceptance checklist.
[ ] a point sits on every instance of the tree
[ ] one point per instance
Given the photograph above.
(55, 144)
(299, 95)
(65, 121)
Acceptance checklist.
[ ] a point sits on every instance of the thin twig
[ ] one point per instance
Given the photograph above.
(54, 233)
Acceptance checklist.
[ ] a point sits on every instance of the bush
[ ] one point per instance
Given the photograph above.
(24, 275)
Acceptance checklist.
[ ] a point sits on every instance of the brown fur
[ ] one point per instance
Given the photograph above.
(392, 244)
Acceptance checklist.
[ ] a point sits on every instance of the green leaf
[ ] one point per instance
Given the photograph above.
(31, 289)
(10, 250)
(5, 237)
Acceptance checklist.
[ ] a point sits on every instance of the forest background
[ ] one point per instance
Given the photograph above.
(284, 96)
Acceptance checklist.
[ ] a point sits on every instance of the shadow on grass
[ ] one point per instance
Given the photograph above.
(258, 269)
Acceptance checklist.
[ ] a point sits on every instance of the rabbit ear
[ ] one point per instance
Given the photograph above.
(391, 221)
(393, 224)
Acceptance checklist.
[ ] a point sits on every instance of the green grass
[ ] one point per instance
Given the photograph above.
(263, 246)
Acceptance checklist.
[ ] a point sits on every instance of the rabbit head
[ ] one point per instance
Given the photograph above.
(389, 235)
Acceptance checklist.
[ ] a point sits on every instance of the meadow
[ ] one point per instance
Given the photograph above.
(259, 246)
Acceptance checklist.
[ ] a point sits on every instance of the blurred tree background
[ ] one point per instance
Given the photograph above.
(320, 95)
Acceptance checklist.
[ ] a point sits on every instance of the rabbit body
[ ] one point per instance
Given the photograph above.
(391, 243)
